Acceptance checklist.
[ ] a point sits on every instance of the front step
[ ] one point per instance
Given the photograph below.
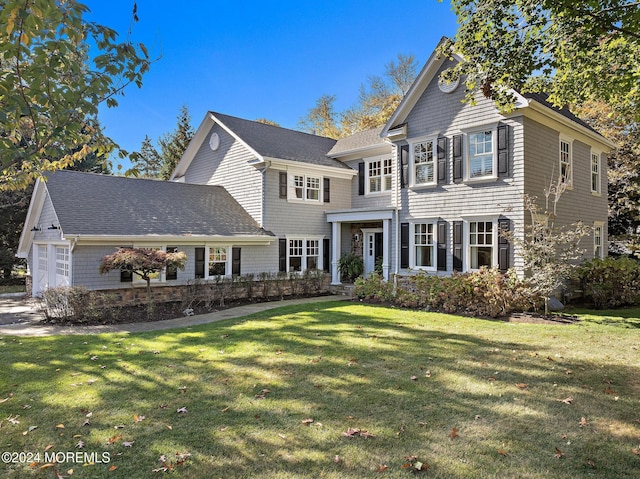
(342, 289)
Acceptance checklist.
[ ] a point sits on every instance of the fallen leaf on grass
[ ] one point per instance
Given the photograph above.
(351, 432)
(60, 426)
(114, 439)
(50, 446)
(502, 452)
(307, 421)
(568, 400)
(590, 463)
(80, 445)
(31, 428)
(635, 451)
(454, 433)
(127, 443)
(113, 468)
(382, 468)
(558, 453)
(336, 459)
(584, 422)
(182, 410)
(7, 398)
(522, 385)
(137, 418)
(609, 391)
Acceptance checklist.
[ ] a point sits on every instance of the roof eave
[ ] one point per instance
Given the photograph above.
(150, 239)
(333, 171)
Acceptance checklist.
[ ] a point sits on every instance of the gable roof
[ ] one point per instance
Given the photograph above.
(360, 141)
(524, 102)
(89, 204)
(265, 141)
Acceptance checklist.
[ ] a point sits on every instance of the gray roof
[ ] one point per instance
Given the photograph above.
(357, 141)
(276, 142)
(543, 98)
(93, 204)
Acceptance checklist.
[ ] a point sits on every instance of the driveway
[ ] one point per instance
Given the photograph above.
(16, 309)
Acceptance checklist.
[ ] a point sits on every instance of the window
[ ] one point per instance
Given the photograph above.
(481, 247)
(306, 188)
(598, 251)
(379, 174)
(424, 245)
(566, 161)
(171, 273)
(481, 154)
(595, 173)
(217, 263)
(62, 261)
(424, 163)
(303, 254)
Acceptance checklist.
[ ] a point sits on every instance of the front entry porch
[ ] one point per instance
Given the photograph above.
(366, 233)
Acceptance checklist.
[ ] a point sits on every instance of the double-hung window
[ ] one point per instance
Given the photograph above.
(481, 154)
(424, 246)
(217, 261)
(62, 261)
(598, 251)
(306, 188)
(481, 244)
(424, 163)
(595, 172)
(379, 175)
(303, 254)
(566, 162)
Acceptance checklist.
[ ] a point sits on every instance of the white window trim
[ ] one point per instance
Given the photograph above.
(367, 183)
(598, 190)
(412, 244)
(412, 162)
(303, 264)
(467, 240)
(493, 128)
(569, 141)
(227, 264)
(600, 225)
(291, 186)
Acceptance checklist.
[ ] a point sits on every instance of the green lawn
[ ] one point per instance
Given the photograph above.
(469, 398)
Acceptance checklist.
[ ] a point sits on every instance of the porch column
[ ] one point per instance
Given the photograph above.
(335, 249)
(386, 230)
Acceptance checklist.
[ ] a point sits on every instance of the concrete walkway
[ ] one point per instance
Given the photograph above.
(18, 317)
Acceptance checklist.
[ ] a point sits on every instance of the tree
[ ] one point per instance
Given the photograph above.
(148, 161)
(623, 174)
(266, 121)
(143, 262)
(550, 252)
(575, 51)
(322, 119)
(13, 211)
(56, 69)
(377, 101)
(174, 144)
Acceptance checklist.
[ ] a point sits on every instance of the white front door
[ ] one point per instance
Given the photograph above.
(42, 277)
(372, 247)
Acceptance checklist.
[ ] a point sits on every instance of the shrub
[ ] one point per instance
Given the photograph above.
(486, 292)
(610, 282)
(350, 266)
(77, 304)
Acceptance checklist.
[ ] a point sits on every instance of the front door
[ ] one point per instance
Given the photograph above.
(372, 250)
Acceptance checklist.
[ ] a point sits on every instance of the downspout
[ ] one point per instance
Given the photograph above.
(263, 170)
(397, 226)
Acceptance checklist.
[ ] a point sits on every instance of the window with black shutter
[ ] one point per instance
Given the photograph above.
(457, 245)
(503, 150)
(457, 158)
(282, 255)
(200, 262)
(404, 245)
(235, 261)
(326, 190)
(504, 226)
(404, 166)
(283, 184)
(442, 160)
(361, 178)
(442, 246)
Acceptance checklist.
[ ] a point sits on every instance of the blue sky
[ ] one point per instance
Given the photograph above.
(260, 59)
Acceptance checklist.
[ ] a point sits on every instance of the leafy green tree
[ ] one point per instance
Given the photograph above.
(575, 51)
(174, 144)
(13, 211)
(56, 69)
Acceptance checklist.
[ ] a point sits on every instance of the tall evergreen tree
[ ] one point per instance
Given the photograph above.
(149, 161)
(174, 144)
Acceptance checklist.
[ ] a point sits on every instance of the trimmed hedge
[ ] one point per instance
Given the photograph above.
(486, 292)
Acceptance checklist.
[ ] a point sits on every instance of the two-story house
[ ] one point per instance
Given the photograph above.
(428, 191)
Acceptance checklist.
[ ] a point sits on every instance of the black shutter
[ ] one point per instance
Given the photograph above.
(199, 253)
(326, 245)
(283, 184)
(361, 178)
(404, 166)
(126, 276)
(282, 255)
(326, 196)
(457, 245)
(503, 150)
(404, 245)
(457, 158)
(504, 224)
(442, 160)
(442, 246)
(235, 261)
